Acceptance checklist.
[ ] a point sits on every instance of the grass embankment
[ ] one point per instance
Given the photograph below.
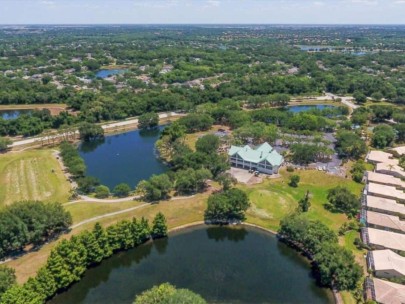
(32, 175)
(178, 213)
(271, 200)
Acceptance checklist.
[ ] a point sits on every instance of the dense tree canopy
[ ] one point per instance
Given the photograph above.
(383, 136)
(350, 145)
(168, 294)
(148, 121)
(227, 206)
(30, 222)
(342, 200)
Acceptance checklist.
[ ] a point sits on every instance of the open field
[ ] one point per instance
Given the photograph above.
(273, 199)
(55, 108)
(32, 175)
(84, 210)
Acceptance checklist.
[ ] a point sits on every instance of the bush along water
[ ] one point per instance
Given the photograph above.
(70, 259)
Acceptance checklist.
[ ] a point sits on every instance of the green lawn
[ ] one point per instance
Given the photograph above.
(274, 198)
(32, 175)
(85, 210)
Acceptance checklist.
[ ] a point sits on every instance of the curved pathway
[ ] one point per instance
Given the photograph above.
(96, 218)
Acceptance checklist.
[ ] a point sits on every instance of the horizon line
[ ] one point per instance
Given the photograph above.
(194, 24)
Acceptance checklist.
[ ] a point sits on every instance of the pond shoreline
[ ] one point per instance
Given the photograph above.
(197, 227)
(336, 294)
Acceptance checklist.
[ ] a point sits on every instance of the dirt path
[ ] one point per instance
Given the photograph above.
(96, 218)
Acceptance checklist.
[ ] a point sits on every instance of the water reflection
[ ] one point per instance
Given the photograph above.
(223, 264)
(226, 234)
(92, 145)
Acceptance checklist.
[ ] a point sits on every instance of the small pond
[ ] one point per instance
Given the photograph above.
(123, 158)
(305, 108)
(12, 114)
(108, 73)
(222, 264)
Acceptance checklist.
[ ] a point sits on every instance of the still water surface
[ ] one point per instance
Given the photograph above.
(12, 114)
(123, 158)
(305, 108)
(224, 265)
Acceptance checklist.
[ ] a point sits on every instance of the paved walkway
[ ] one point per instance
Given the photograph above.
(124, 123)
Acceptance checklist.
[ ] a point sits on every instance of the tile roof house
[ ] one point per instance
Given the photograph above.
(384, 205)
(399, 150)
(390, 169)
(386, 263)
(385, 191)
(376, 157)
(384, 221)
(387, 292)
(384, 179)
(380, 239)
(262, 158)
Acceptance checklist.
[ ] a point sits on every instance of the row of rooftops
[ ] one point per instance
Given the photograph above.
(384, 200)
(386, 163)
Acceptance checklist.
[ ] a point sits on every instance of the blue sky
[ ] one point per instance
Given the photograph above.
(202, 11)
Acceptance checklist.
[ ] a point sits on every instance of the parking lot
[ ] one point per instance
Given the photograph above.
(243, 176)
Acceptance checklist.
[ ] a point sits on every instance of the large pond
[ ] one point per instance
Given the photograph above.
(108, 73)
(305, 108)
(123, 158)
(12, 114)
(224, 265)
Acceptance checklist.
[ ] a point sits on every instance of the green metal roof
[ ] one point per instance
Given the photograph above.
(257, 155)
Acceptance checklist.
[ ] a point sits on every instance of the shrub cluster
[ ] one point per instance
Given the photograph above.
(72, 160)
(333, 265)
(70, 258)
(30, 222)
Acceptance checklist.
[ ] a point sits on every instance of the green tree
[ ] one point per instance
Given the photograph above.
(156, 188)
(357, 171)
(87, 184)
(148, 121)
(226, 180)
(122, 190)
(227, 206)
(7, 278)
(207, 144)
(95, 253)
(102, 240)
(159, 226)
(305, 234)
(20, 295)
(102, 191)
(168, 294)
(342, 200)
(294, 180)
(304, 204)
(350, 145)
(383, 136)
(337, 268)
(89, 131)
(400, 132)
(359, 97)
(4, 143)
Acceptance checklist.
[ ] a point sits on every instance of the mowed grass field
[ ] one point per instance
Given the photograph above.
(31, 175)
(274, 198)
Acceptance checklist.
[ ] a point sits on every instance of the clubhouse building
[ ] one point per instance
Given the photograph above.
(262, 158)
